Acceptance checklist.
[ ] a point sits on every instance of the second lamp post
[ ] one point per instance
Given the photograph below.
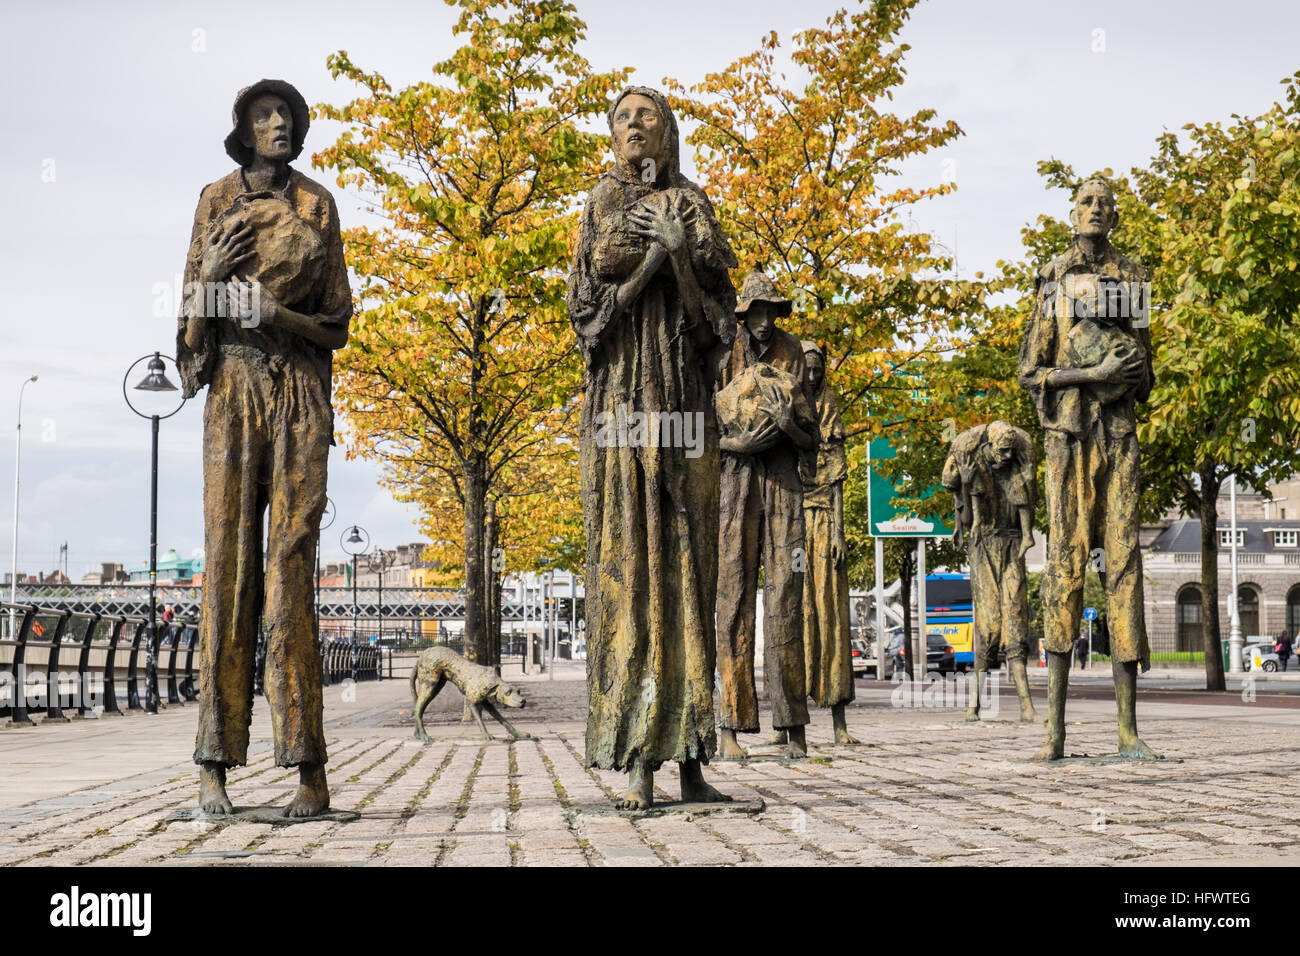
(155, 381)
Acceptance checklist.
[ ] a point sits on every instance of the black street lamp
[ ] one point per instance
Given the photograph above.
(155, 381)
(379, 561)
(326, 519)
(355, 541)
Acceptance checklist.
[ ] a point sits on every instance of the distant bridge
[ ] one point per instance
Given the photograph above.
(132, 600)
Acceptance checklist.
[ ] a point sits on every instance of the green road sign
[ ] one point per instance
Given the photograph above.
(886, 521)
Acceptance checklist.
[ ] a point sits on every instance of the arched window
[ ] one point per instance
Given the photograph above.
(1189, 619)
(1293, 611)
(1248, 610)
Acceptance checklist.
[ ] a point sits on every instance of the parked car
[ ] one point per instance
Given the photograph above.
(863, 656)
(1259, 657)
(939, 655)
(894, 653)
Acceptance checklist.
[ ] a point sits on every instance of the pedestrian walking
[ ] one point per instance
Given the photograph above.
(1081, 649)
(1283, 650)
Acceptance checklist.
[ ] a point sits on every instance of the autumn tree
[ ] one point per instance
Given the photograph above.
(461, 372)
(805, 182)
(1215, 218)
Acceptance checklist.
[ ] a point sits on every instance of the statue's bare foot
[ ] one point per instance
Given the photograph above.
(842, 736)
(640, 790)
(972, 715)
(1135, 749)
(798, 745)
(694, 789)
(1051, 751)
(729, 748)
(212, 790)
(313, 794)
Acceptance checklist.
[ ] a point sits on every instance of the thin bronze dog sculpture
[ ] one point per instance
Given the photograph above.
(482, 687)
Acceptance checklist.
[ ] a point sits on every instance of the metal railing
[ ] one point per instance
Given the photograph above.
(344, 660)
(27, 687)
(109, 651)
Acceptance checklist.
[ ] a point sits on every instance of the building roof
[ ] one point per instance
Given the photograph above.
(1184, 535)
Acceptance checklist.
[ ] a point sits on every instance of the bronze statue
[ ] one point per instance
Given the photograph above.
(1086, 361)
(266, 302)
(827, 654)
(993, 476)
(481, 686)
(767, 422)
(649, 296)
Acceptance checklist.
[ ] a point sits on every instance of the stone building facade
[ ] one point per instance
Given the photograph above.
(1268, 569)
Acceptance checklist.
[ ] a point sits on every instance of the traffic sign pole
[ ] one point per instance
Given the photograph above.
(881, 639)
(920, 659)
(1090, 615)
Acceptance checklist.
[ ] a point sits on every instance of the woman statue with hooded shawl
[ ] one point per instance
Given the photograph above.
(828, 660)
(649, 296)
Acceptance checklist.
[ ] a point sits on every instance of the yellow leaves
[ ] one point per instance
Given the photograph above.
(461, 350)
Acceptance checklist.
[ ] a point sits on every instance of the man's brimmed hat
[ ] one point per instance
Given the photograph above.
(297, 106)
(759, 288)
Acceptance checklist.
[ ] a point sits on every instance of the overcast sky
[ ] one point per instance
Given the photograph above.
(115, 114)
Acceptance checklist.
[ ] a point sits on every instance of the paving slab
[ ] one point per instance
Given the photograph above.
(924, 789)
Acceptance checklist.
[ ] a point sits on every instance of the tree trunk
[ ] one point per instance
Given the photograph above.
(1210, 637)
(476, 642)
(492, 593)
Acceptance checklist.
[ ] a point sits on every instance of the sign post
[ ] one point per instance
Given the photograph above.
(881, 642)
(1089, 615)
(884, 520)
(920, 657)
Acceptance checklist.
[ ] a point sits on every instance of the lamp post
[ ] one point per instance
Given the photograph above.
(326, 519)
(355, 541)
(554, 614)
(379, 560)
(18, 461)
(155, 381)
(542, 613)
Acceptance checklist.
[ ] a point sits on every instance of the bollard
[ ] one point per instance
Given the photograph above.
(110, 671)
(173, 694)
(187, 685)
(132, 689)
(53, 711)
(83, 667)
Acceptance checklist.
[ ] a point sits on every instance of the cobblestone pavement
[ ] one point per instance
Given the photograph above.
(928, 789)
